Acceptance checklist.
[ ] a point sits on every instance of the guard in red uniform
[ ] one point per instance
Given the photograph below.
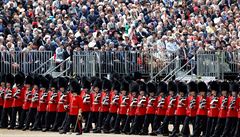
(161, 107)
(8, 99)
(95, 97)
(105, 103)
(132, 107)
(213, 108)
(223, 108)
(171, 107)
(151, 108)
(114, 104)
(18, 98)
(27, 100)
(233, 108)
(62, 101)
(2, 89)
(237, 129)
(41, 108)
(122, 110)
(52, 101)
(34, 103)
(202, 105)
(191, 108)
(140, 110)
(74, 107)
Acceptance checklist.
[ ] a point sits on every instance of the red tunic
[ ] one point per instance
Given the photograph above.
(18, 96)
(171, 101)
(233, 107)
(161, 106)
(114, 102)
(104, 107)
(85, 101)
(132, 106)
(124, 104)
(52, 101)
(1, 96)
(238, 107)
(213, 106)
(191, 106)
(42, 106)
(74, 104)
(27, 99)
(95, 101)
(203, 105)
(8, 98)
(142, 105)
(35, 99)
(152, 105)
(62, 100)
(223, 108)
(181, 106)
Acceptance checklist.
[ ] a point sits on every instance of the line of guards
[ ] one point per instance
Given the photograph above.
(119, 105)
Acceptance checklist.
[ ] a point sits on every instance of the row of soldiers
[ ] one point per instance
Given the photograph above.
(117, 106)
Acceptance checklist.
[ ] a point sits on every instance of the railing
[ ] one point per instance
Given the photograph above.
(62, 68)
(27, 62)
(48, 64)
(66, 71)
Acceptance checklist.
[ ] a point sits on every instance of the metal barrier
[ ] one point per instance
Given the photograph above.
(27, 62)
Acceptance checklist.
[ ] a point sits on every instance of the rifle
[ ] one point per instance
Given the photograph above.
(213, 102)
(43, 97)
(52, 99)
(150, 102)
(232, 104)
(16, 94)
(161, 102)
(8, 94)
(115, 99)
(86, 98)
(172, 100)
(142, 100)
(96, 99)
(192, 103)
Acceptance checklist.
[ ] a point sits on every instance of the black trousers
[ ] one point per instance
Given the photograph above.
(237, 129)
(211, 124)
(85, 117)
(137, 124)
(39, 120)
(23, 117)
(178, 120)
(60, 116)
(120, 122)
(129, 120)
(109, 122)
(71, 120)
(31, 117)
(92, 118)
(219, 127)
(200, 126)
(149, 119)
(186, 130)
(158, 119)
(49, 119)
(101, 119)
(163, 129)
(1, 108)
(15, 111)
(230, 127)
(6, 114)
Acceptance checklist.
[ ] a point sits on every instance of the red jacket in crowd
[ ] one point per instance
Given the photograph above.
(151, 105)
(74, 104)
(18, 96)
(181, 103)
(223, 108)
(192, 106)
(132, 106)
(52, 101)
(8, 98)
(42, 106)
(203, 105)
(114, 102)
(104, 107)
(141, 105)
(124, 104)
(171, 103)
(213, 106)
(85, 101)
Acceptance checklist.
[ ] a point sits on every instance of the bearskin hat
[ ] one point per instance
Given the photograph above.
(134, 87)
(125, 86)
(225, 86)
(142, 86)
(137, 76)
(116, 85)
(9, 79)
(162, 87)
(151, 87)
(97, 83)
(192, 86)
(115, 76)
(235, 87)
(214, 85)
(19, 78)
(172, 86)
(49, 77)
(202, 86)
(182, 87)
(36, 80)
(86, 84)
(2, 78)
(106, 84)
(54, 83)
(75, 86)
(29, 79)
(62, 82)
(44, 82)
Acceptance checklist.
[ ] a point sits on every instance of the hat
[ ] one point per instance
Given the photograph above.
(36, 80)
(202, 86)
(2, 78)
(172, 86)
(86, 84)
(137, 75)
(62, 82)
(142, 86)
(54, 83)
(151, 87)
(192, 86)
(92, 79)
(75, 86)
(9, 79)
(106, 85)
(116, 85)
(115, 76)
(225, 86)
(49, 77)
(19, 78)
(182, 87)
(162, 87)
(134, 87)
(97, 83)
(235, 87)
(29, 80)
(44, 82)
(214, 85)
(124, 86)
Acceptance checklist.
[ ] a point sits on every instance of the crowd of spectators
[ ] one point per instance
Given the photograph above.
(82, 25)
